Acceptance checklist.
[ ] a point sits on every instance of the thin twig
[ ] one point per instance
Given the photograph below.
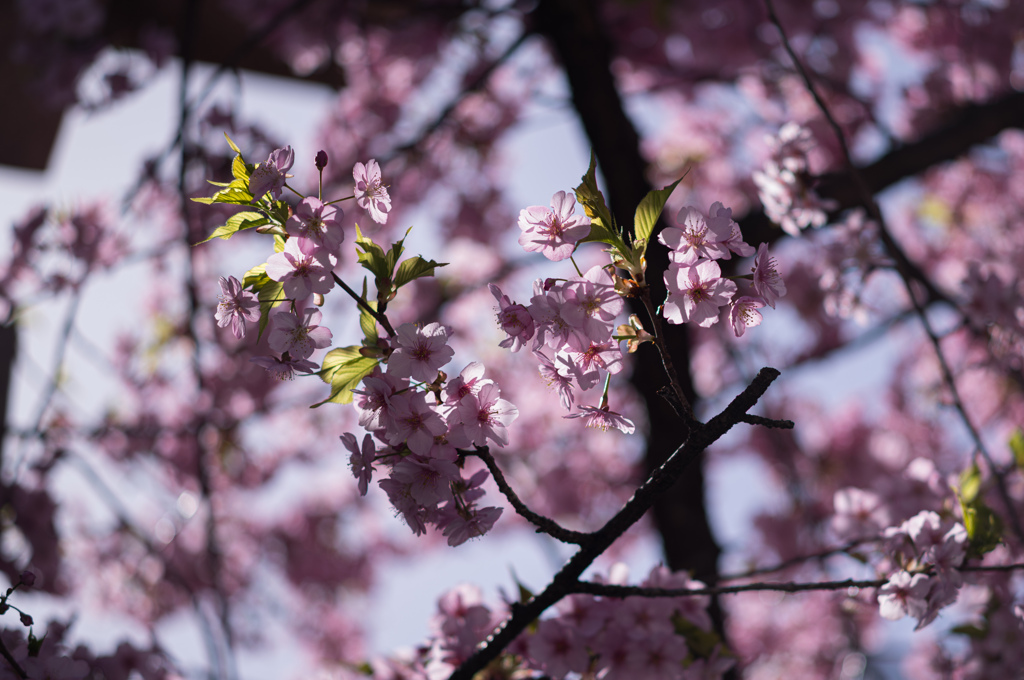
(544, 524)
(768, 422)
(869, 203)
(794, 561)
(4, 652)
(610, 590)
(666, 361)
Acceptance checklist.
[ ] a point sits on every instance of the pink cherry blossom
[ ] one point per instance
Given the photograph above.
(373, 399)
(554, 379)
(486, 416)
(371, 195)
(604, 355)
(603, 418)
(270, 175)
(429, 479)
(514, 319)
(460, 529)
(360, 459)
(591, 306)
(558, 648)
(303, 267)
(744, 314)
(720, 221)
(298, 337)
(285, 368)
(318, 222)
(767, 280)
(414, 423)
(236, 306)
(553, 231)
(698, 236)
(695, 293)
(421, 352)
(469, 381)
(904, 594)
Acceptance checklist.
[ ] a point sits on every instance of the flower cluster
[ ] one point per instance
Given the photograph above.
(696, 289)
(421, 434)
(784, 185)
(632, 637)
(570, 323)
(303, 265)
(929, 552)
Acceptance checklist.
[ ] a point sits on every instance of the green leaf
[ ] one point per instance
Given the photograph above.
(702, 643)
(984, 528)
(233, 194)
(234, 147)
(236, 223)
(254, 275)
(240, 170)
(648, 212)
(970, 484)
(270, 294)
(414, 268)
(344, 368)
(1017, 447)
(970, 630)
(592, 200)
(373, 258)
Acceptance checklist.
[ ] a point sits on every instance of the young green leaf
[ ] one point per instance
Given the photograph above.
(592, 200)
(234, 147)
(270, 293)
(236, 223)
(414, 268)
(648, 212)
(344, 368)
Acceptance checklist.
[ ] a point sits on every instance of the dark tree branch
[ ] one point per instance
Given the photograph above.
(580, 41)
(660, 481)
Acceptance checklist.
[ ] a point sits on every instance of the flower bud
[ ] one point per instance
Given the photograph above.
(28, 579)
(26, 620)
(321, 159)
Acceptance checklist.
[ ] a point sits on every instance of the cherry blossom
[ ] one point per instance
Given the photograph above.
(695, 293)
(698, 236)
(270, 175)
(236, 306)
(285, 367)
(744, 314)
(421, 351)
(486, 415)
(554, 231)
(303, 267)
(371, 194)
(513, 319)
(767, 281)
(361, 459)
(318, 222)
(603, 418)
(298, 337)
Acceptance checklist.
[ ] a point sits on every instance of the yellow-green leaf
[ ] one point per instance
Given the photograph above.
(344, 368)
(414, 268)
(648, 212)
(234, 147)
(1017, 447)
(237, 222)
